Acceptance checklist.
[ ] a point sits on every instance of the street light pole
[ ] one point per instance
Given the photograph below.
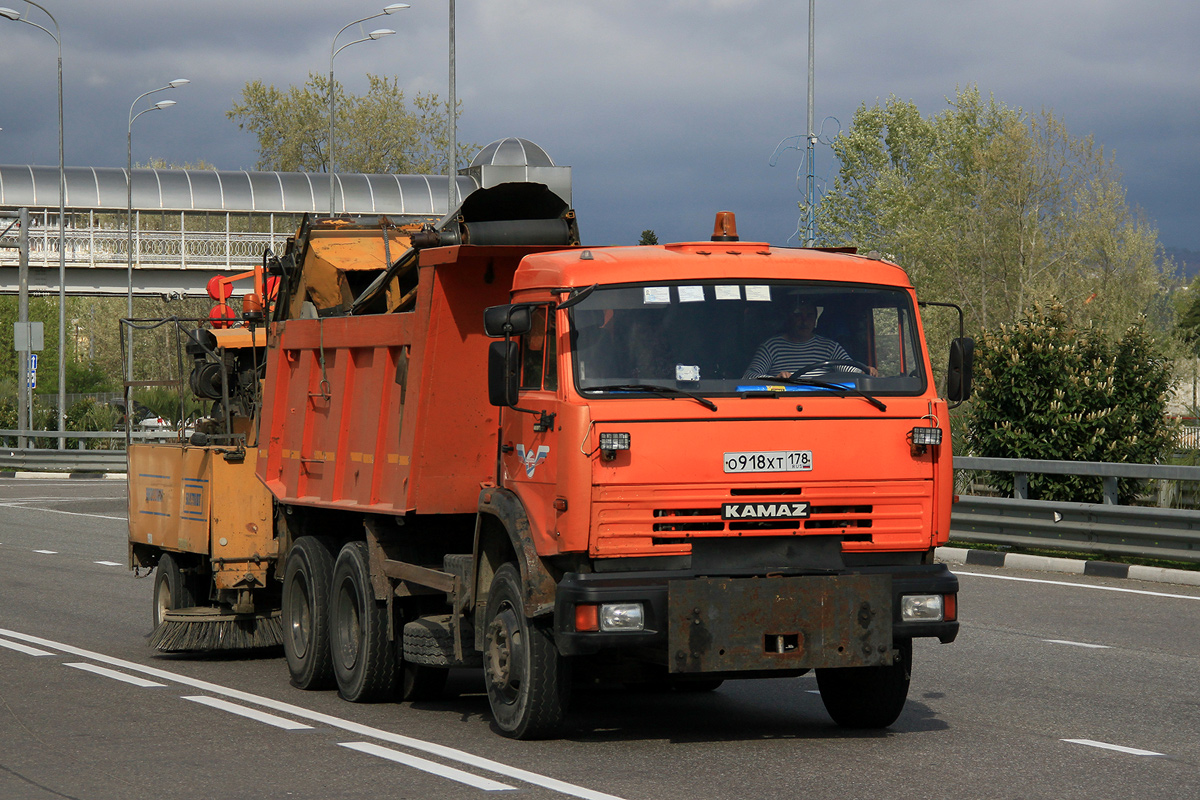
(810, 233)
(333, 51)
(129, 222)
(452, 161)
(56, 35)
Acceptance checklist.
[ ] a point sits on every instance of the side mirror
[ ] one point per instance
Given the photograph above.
(962, 362)
(503, 376)
(507, 321)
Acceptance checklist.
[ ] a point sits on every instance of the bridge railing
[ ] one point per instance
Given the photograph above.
(110, 247)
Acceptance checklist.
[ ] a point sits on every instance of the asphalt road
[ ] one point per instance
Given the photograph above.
(1058, 687)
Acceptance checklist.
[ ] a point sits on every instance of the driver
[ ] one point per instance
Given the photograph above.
(798, 347)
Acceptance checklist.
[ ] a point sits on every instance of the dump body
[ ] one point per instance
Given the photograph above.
(384, 413)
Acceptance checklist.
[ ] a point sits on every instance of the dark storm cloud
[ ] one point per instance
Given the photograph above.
(668, 111)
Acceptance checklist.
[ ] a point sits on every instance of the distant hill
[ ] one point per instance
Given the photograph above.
(1186, 261)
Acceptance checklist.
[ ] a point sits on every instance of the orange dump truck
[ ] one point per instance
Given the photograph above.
(672, 465)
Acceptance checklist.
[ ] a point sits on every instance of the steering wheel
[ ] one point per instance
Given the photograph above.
(820, 366)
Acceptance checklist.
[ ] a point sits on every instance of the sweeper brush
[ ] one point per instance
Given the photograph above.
(201, 629)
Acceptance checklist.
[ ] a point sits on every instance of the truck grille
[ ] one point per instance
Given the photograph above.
(645, 520)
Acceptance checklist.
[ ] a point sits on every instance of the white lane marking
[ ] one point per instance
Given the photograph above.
(47, 552)
(1133, 751)
(441, 770)
(117, 676)
(443, 751)
(24, 648)
(107, 563)
(54, 499)
(250, 713)
(1078, 644)
(1079, 585)
(57, 511)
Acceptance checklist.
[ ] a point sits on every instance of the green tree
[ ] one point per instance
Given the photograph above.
(1047, 389)
(376, 132)
(648, 237)
(996, 208)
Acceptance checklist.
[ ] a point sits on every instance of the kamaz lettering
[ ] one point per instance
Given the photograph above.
(764, 510)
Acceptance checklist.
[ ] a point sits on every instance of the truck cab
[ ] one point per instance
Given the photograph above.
(733, 458)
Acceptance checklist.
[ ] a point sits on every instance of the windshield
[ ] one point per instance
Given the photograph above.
(734, 338)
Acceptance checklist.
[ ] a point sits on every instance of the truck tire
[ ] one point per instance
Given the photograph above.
(172, 589)
(364, 658)
(527, 680)
(306, 579)
(867, 697)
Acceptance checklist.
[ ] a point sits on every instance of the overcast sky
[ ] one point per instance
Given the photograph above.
(667, 111)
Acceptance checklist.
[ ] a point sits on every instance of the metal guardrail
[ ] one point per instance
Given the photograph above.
(1104, 528)
(71, 459)
(63, 460)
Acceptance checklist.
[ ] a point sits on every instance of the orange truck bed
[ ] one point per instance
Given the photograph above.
(355, 415)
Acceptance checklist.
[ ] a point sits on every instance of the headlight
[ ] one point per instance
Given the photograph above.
(622, 617)
(922, 608)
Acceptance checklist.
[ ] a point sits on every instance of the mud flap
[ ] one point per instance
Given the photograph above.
(804, 622)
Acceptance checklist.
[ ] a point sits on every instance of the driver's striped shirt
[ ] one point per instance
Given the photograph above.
(780, 354)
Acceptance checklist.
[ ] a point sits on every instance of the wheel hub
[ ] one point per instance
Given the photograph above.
(503, 653)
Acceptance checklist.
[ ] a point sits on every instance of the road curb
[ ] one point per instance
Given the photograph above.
(74, 475)
(1103, 569)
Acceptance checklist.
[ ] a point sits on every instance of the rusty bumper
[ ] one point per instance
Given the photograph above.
(701, 624)
(734, 624)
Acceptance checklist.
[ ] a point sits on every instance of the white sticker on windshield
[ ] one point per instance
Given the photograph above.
(758, 293)
(656, 294)
(729, 292)
(687, 372)
(691, 294)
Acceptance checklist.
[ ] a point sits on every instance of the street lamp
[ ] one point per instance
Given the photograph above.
(129, 212)
(810, 233)
(452, 164)
(375, 34)
(56, 35)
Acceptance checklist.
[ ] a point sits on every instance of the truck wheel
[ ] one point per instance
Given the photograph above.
(527, 680)
(306, 578)
(867, 697)
(172, 589)
(364, 659)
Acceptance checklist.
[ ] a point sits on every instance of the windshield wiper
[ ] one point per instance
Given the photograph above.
(650, 387)
(836, 387)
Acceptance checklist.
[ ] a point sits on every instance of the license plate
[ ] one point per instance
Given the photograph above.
(770, 461)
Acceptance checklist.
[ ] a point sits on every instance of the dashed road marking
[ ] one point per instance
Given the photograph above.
(250, 713)
(425, 764)
(1078, 644)
(24, 648)
(431, 748)
(47, 552)
(1133, 751)
(117, 676)
(108, 563)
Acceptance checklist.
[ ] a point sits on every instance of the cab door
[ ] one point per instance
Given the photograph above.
(531, 446)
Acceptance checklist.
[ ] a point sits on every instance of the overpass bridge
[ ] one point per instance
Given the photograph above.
(190, 224)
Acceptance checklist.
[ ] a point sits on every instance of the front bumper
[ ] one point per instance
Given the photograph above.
(719, 624)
